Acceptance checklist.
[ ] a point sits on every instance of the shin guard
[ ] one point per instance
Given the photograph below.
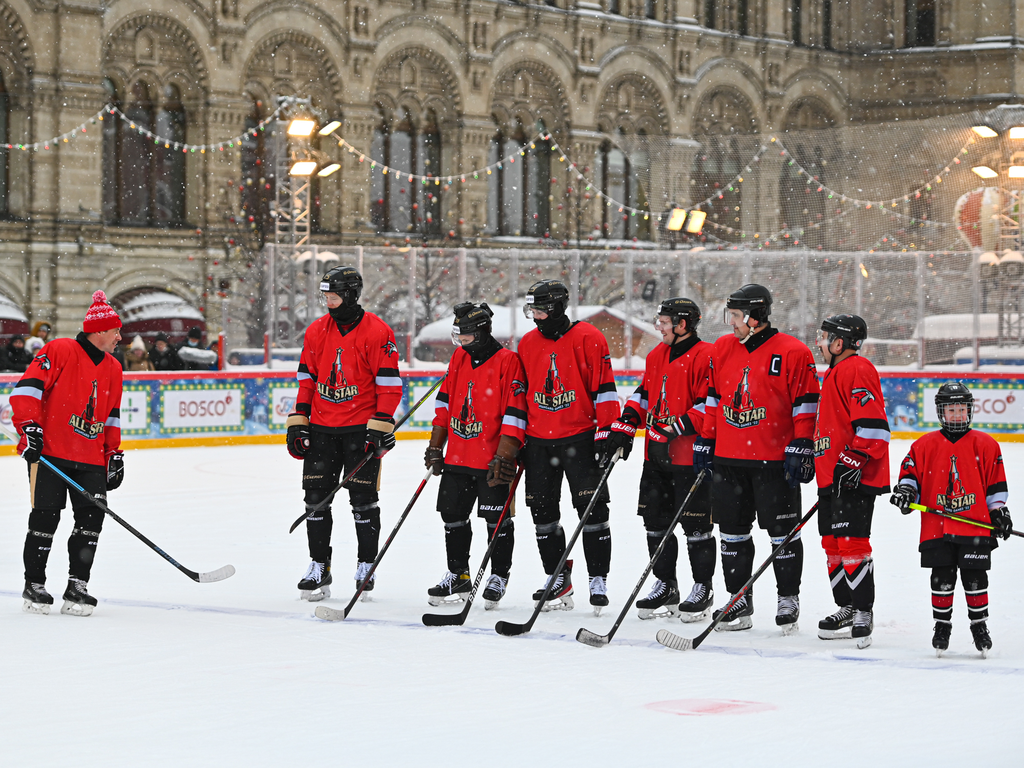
(789, 565)
(42, 524)
(860, 571)
(551, 544)
(367, 518)
(665, 565)
(701, 549)
(737, 560)
(597, 546)
(458, 537)
(501, 555)
(836, 573)
(943, 583)
(976, 590)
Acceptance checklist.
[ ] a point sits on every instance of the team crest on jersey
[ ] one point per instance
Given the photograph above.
(518, 387)
(389, 348)
(821, 445)
(336, 389)
(44, 361)
(554, 397)
(660, 415)
(741, 411)
(85, 423)
(862, 396)
(465, 424)
(956, 499)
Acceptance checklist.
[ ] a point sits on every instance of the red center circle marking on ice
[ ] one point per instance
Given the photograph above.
(709, 707)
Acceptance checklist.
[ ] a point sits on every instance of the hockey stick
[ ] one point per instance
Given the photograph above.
(510, 629)
(959, 518)
(365, 459)
(203, 578)
(678, 643)
(333, 614)
(587, 637)
(458, 619)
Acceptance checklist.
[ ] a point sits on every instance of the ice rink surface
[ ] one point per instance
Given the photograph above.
(169, 672)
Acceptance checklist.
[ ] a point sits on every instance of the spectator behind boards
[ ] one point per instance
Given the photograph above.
(40, 335)
(137, 359)
(193, 356)
(163, 356)
(15, 357)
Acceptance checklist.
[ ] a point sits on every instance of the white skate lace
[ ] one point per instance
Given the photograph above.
(448, 580)
(598, 586)
(696, 594)
(862, 618)
(556, 581)
(80, 586)
(660, 587)
(314, 572)
(788, 605)
(496, 583)
(842, 614)
(361, 570)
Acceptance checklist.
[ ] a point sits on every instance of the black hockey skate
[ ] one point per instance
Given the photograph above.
(598, 593)
(494, 591)
(37, 599)
(787, 613)
(940, 638)
(698, 603)
(77, 600)
(664, 594)
(863, 623)
(738, 616)
(982, 639)
(316, 584)
(835, 627)
(361, 570)
(560, 598)
(453, 585)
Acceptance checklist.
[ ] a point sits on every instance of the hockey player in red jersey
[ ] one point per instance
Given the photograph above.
(670, 403)
(851, 449)
(349, 388)
(756, 435)
(957, 470)
(481, 415)
(67, 408)
(571, 403)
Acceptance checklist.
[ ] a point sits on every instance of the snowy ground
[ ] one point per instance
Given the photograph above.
(169, 672)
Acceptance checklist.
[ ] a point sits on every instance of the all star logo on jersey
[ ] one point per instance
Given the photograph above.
(862, 396)
(85, 424)
(741, 411)
(955, 499)
(465, 424)
(336, 389)
(822, 445)
(554, 397)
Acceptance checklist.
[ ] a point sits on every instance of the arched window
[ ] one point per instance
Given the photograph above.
(401, 188)
(380, 148)
(428, 163)
(920, 23)
(715, 166)
(401, 204)
(520, 185)
(709, 14)
(254, 175)
(4, 130)
(650, 9)
(538, 187)
(618, 177)
(169, 163)
(613, 6)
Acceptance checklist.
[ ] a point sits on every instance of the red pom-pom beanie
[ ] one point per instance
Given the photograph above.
(101, 316)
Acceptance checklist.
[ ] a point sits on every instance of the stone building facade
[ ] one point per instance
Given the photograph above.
(446, 85)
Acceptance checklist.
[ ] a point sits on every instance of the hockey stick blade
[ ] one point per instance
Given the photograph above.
(219, 575)
(511, 629)
(329, 614)
(674, 641)
(444, 620)
(587, 637)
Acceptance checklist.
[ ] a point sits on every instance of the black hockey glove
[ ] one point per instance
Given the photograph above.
(298, 435)
(1002, 522)
(622, 435)
(33, 435)
(703, 455)
(502, 468)
(799, 464)
(115, 470)
(380, 435)
(903, 496)
(848, 471)
(603, 450)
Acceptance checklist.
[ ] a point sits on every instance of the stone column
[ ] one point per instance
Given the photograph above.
(357, 130)
(476, 137)
(585, 146)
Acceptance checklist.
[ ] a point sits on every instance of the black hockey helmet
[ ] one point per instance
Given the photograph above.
(753, 300)
(549, 296)
(472, 318)
(954, 393)
(850, 328)
(344, 281)
(678, 309)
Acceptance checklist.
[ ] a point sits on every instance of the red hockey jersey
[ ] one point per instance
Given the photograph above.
(73, 391)
(851, 414)
(570, 387)
(344, 379)
(479, 405)
(965, 477)
(672, 389)
(761, 396)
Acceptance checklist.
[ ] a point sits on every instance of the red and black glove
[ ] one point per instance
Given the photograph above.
(298, 435)
(849, 468)
(380, 435)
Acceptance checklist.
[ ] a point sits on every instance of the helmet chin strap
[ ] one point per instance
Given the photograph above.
(750, 329)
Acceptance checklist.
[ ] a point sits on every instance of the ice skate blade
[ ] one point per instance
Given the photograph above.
(366, 597)
(939, 652)
(436, 600)
(315, 595)
(43, 609)
(689, 617)
(743, 622)
(984, 653)
(559, 604)
(75, 609)
(655, 613)
(490, 605)
(864, 642)
(834, 634)
(597, 609)
(789, 629)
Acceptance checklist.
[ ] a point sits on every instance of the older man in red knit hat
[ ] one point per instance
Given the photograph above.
(67, 407)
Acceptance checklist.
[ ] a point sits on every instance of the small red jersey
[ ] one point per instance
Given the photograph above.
(761, 396)
(73, 391)
(851, 414)
(347, 378)
(570, 387)
(674, 387)
(965, 477)
(479, 405)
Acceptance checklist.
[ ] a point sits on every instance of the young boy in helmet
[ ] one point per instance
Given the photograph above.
(756, 436)
(957, 470)
(481, 414)
(571, 403)
(851, 449)
(349, 388)
(670, 403)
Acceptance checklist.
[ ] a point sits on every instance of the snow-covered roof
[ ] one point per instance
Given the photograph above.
(962, 326)
(501, 323)
(10, 311)
(157, 306)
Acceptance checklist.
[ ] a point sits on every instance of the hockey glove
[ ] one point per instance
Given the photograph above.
(849, 468)
(380, 435)
(298, 435)
(903, 496)
(799, 464)
(1002, 522)
(622, 435)
(115, 470)
(603, 451)
(502, 469)
(678, 427)
(433, 458)
(703, 455)
(32, 434)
